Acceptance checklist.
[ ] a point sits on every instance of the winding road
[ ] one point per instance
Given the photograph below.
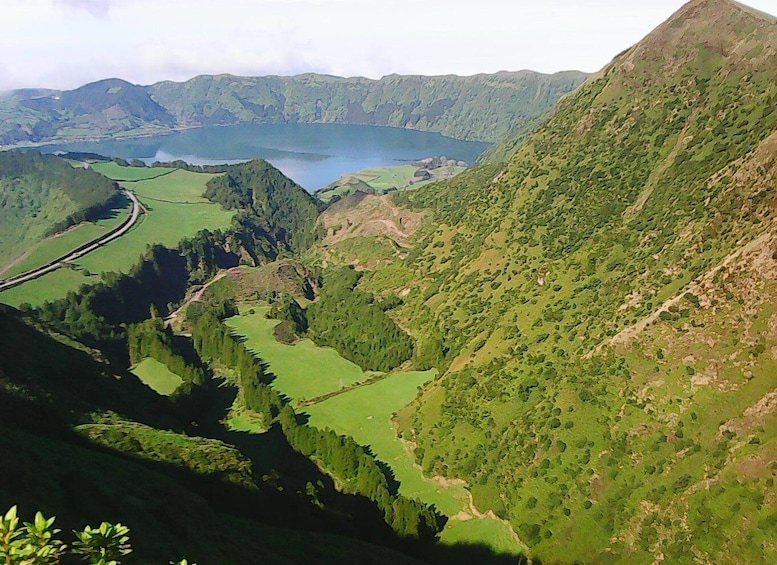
(78, 252)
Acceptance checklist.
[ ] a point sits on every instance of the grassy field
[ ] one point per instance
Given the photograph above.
(157, 376)
(365, 413)
(51, 286)
(379, 179)
(304, 370)
(176, 210)
(60, 244)
(382, 179)
(388, 177)
(117, 172)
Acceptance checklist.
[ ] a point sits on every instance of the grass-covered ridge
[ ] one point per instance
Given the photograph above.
(41, 195)
(602, 305)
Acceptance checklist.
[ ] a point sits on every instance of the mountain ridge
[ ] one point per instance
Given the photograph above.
(602, 304)
(462, 107)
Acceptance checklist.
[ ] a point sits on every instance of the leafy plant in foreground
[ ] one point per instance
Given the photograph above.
(34, 543)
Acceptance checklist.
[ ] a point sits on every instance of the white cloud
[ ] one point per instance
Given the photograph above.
(64, 43)
(97, 8)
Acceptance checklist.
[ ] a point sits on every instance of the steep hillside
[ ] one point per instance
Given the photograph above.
(43, 194)
(604, 306)
(109, 106)
(480, 107)
(273, 204)
(85, 441)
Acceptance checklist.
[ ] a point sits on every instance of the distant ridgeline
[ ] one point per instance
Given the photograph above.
(460, 107)
(43, 194)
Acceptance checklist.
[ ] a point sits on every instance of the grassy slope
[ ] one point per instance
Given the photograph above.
(304, 370)
(25, 225)
(176, 209)
(644, 446)
(117, 172)
(157, 376)
(365, 413)
(51, 286)
(38, 193)
(60, 244)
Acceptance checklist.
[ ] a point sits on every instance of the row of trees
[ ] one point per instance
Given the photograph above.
(356, 468)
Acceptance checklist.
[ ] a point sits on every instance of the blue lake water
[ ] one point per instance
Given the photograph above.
(314, 155)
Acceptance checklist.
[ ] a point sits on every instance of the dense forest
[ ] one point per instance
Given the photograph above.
(270, 201)
(355, 324)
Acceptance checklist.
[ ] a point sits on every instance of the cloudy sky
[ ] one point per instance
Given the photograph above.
(66, 43)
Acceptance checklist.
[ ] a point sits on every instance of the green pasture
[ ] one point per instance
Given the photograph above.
(50, 286)
(178, 187)
(176, 210)
(366, 412)
(117, 172)
(303, 370)
(379, 179)
(157, 376)
(382, 178)
(61, 244)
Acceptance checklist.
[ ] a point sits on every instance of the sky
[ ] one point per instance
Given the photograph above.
(66, 43)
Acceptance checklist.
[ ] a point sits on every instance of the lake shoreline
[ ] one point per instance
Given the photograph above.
(313, 155)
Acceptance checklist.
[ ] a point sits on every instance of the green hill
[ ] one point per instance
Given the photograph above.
(461, 107)
(273, 204)
(603, 305)
(43, 194)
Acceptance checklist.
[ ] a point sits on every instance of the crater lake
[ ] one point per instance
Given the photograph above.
(313, 155)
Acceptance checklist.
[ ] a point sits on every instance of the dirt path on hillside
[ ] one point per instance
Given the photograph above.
(195, 297)
(625, 335)
(372, 216)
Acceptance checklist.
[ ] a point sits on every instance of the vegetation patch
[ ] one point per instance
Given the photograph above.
(156, 375)
(41, 195)
(302, 370)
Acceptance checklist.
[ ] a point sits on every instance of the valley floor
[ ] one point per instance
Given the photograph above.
(306, 371)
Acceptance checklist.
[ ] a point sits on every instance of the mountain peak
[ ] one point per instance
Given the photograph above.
(702, 37)
(716, 10)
